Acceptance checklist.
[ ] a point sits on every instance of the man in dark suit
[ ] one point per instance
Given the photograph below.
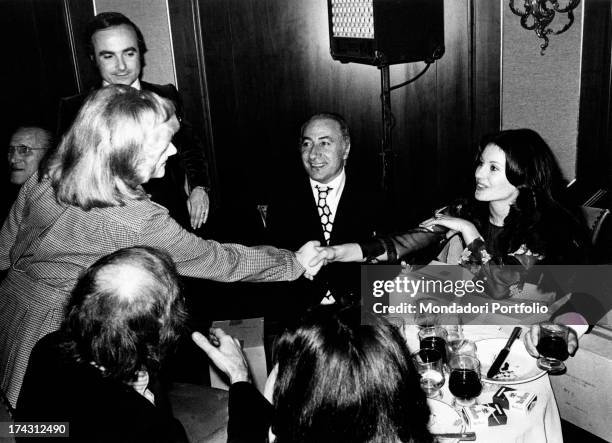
(326, 205)
(117, 47)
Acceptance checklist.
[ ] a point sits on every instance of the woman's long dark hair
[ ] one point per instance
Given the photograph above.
(339, 380)
(537, 218)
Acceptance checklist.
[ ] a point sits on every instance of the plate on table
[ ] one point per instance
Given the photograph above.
(444, 419)
(519, 367)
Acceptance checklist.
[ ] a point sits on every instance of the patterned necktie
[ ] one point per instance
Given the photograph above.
(324, 212)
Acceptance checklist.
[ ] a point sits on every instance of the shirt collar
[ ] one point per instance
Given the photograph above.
(135, 85)
(335, 184)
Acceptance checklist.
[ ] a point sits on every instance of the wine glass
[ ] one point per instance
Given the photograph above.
(552, 346)
(429, 366)
(464, 382)
(434, 337)
(456, 343)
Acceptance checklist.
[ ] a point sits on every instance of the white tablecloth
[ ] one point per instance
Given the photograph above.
(540, 425)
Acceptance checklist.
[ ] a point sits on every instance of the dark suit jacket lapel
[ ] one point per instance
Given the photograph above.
(157, 89)
(344, 212)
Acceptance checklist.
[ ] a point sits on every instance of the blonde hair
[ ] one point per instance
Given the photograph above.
(101, 161)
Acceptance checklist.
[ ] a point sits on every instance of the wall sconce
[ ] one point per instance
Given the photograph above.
(538, 14)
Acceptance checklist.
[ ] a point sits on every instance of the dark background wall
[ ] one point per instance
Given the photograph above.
(37, 67)
(594, 155)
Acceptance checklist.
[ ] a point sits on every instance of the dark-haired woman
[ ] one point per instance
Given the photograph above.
(514, 217)
(513, 222)
(340, 380)
(335, 380)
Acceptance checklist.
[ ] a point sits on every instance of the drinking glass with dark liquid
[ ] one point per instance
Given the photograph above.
(464, 382)
(552, 346)
(434, 337)
(429, 366)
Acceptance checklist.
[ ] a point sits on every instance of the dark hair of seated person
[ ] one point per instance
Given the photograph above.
(339, 380)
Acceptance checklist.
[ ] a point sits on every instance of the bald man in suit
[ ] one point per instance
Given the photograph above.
(324, 204)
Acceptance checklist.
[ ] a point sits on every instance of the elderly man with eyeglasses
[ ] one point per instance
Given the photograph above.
(26, 149)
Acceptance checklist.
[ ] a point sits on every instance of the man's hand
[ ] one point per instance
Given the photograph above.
(347, 252)
(198, 205)
(225, 352)
(532, 337)
(311, 258)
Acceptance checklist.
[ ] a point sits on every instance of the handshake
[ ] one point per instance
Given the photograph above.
(312, 256)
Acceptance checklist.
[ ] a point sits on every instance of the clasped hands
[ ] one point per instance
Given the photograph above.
(312, 256)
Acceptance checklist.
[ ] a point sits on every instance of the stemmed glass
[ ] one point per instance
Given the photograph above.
(464, 382)
(456, 343)
(552, 346)
(429, 366)
(434, 337)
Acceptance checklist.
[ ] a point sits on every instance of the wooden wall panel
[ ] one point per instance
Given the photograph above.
(485, 66)
(37, 67)
(191, 75)
(454, 138)
(594, 156)
(78, 13)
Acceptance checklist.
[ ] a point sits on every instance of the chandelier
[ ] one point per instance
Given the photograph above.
(539, 14)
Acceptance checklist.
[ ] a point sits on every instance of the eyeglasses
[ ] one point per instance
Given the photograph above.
(22, 149)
